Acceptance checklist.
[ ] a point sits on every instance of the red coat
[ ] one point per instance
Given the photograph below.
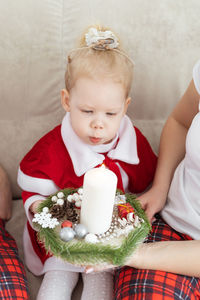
(49, 159)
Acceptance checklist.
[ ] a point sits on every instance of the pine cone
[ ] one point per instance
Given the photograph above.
(71, 212)
(58, 211)
(70, 205)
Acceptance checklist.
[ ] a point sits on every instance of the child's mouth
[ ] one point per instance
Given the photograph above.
(95, 140)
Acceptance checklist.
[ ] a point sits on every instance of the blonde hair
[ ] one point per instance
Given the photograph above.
(112, 64)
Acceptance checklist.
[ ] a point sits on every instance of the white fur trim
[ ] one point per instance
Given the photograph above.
(27, 205)
(126, 149)
(36, 185)
(32, 261)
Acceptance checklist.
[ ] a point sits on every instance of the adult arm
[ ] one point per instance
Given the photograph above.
(180, 257)
(171, 150)
(5, 196)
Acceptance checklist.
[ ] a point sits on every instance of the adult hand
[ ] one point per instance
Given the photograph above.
(152, 202)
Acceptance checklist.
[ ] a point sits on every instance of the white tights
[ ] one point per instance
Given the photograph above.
(58, 285)
(98, 286)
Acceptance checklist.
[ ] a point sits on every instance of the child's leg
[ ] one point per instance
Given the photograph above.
(98, 286)
(57, 285)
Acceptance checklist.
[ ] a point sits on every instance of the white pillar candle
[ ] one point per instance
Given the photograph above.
(99, 189)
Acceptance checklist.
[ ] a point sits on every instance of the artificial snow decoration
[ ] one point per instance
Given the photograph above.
(45, 220)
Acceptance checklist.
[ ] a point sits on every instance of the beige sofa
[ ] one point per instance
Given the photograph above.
(161, 36)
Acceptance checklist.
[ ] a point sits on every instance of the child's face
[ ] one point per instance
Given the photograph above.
(96, 109)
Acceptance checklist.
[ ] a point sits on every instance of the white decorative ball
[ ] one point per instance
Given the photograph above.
(80, 191)
(70, 198)
(91, 238)
(60, 201)
(80, 230)
(67, 234)
(45, 209)
(54, 199)
(78, 203)
(60, 195)
(76, 196)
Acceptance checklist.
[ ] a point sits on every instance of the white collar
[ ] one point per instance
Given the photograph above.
(85, 157)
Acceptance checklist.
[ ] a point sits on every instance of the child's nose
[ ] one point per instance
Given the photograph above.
(97, 124)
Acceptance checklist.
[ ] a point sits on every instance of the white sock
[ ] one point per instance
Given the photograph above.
(98, 286)
(57, 285)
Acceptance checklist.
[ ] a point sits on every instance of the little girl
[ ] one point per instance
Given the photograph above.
(95, 129)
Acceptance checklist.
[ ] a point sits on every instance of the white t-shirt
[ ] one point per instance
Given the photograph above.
(182, 210)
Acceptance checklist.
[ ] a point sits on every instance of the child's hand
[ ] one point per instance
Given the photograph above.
(34, 206)
(152, 202)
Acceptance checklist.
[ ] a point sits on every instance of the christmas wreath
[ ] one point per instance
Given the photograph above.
(57, 223)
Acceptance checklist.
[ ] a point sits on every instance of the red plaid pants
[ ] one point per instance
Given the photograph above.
(13, 282)
(131, 284)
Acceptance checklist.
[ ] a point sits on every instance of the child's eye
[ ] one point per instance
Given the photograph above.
(87, 111)
(110, 114)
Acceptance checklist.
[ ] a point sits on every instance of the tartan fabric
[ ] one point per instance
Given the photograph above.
(131, 284)
(13, 282)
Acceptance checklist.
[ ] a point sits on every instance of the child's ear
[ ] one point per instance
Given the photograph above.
(65, 100)
(127, 102)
